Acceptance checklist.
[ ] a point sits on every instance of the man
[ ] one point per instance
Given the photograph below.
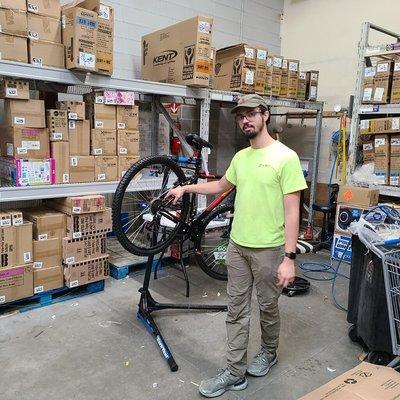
(268, 179)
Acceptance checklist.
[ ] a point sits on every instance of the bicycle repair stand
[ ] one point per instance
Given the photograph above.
(147, 305)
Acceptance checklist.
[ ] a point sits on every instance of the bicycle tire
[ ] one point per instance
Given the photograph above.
(133, 175)
(208, 253)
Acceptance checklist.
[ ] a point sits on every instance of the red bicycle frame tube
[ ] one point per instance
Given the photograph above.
(219, 199)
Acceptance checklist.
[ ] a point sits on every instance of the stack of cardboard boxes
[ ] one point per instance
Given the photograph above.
(84, 251)
(352, 203)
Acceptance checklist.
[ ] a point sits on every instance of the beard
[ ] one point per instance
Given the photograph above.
(251, 130)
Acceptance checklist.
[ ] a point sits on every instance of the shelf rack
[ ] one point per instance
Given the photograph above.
(362, 111)
(154, 92)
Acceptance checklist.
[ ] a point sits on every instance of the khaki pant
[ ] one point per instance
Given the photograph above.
(245, 267)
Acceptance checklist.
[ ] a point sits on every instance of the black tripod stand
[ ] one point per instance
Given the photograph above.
(147, 305)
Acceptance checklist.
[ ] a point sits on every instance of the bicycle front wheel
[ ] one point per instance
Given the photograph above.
(212, 243)
(143, 221)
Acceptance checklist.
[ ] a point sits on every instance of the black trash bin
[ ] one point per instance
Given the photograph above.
(367, 306)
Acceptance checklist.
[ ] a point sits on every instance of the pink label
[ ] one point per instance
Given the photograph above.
(119, 97)
(11, 273)
(31, 131)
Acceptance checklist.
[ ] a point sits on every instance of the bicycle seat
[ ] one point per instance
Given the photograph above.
(197, 142)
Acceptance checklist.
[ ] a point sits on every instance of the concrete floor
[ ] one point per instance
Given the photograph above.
(95, 348)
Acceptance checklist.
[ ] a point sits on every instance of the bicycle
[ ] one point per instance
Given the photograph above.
(146, 222)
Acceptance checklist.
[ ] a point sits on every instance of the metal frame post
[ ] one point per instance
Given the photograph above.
(154, 126)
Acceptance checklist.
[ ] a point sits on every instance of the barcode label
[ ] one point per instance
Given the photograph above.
(27, 256)
(5, 222)
(37, 61)
(19, 120)
(123, 150)
(99, 100)
(2, 299)
(33, 35)
(104, 12)
(74, 161)
(71, 124)
(101, 177)
(98, 124)
(76, 210)
(12, 92)
(43, 236)
(33, 8)
(76, 235)
(73, 284)
(72, 115)
(121, 125)
(38, 289)
(65, 178)
(38, 264)
(57, 136)
(70, 260)
(98, 152)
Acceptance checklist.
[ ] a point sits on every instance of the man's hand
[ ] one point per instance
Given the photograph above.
(176, 194)
(286, 272)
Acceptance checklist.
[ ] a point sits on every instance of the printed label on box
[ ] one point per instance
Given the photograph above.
(249, 79)
(395, 123)
(72, 115)
(73, 284)
(368, 146)
(27, 256)
(31, 144)
(10, 149)
(277, 62)
(2, 299)
(33, 8)
(70, 260)
(99, 100)
(101, 177)
(261, 54)
(121, 125)
(76, 210)
(104, 12)
(18, 221)
(204, 27)
(249, 53)
(302, 75)
(293, 66)
(382, 67)
(63, 21)
(369, 72)
(380, 142)
(57, 136)
(123, 150)
(284, 64)
(22, 150)
(38, 264)
(37, 61)
(74, 161)
(378, 95)
(314, 76)
(76, 235)
(364, 123)
(38, 289)
(43, 236)
(33, 35)
(12, 92)
(367, 95)
(5, 222)
(397, 66)
(98, 152)
(19, 120)
(98, 124)
(313, 91)
(65, 178)
(395, 141)
(71, 124)
(88, 60)
(394, 180)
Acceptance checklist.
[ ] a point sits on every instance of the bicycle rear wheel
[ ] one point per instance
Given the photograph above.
(143, 221)
(211, 244)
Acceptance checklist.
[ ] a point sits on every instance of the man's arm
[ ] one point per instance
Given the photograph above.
(286, 271)
(214, 187)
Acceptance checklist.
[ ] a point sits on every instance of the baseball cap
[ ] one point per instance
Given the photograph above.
(249, 101)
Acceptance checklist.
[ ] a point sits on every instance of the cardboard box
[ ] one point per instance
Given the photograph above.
(395, 91)
(76, 109)
(394, 144)
(384, 125)
(86, 271)
(124, 163)
(365, 125)
(312, 85)
(394, 179)
(14, 4)
(8, 248)
(213, 55)
(261, 58)
(341, 248)
(301, 85)
(368, 151)
(23, 240)
(16, 283)
(104, 116)
(47, 223)
(128, 142)
(345, 215)
(113, 97)
(284, 79)
(44, 28)
(48, 279)
(354, 195)
(79, 204)
(180, 53)
(23, 142)
(47, 253)
(49, 8)
(16, 217)
(128, 117)
(368, 84)
(104, 142)
(363, 382)
(28, 113)
(81, 169)
(19, 172)
(13, 89)
(13, 22)
(381, 90)
(259, 80)
(79, 137)
(57, 123)
(381, 170)
(79, 35)
(382, 144)
(60, 154)
(89, 224)
(46, 54)
(235, 68)
(5, 218)
(13, 48)
(105, 168)
(83, 249)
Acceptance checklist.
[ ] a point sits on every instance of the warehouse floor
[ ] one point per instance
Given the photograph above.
(95, 348)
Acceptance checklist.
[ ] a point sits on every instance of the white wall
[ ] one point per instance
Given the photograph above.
(324, 35)
(253, 21)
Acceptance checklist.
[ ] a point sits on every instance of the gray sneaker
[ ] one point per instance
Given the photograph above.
(262, 363)
(222, 382)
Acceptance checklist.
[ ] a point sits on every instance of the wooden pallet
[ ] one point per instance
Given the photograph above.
(51, 297)
(122, 271)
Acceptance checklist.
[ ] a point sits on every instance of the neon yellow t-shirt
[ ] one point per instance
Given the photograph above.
(262, 177)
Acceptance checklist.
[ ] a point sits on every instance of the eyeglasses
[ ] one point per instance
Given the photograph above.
(249, 115)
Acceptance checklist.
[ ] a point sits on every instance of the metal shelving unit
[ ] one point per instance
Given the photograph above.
(153, 92)
(364, 111)
(232, 97)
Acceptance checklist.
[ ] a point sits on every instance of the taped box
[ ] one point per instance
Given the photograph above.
(114, 97)
(13, 89)
(48, 279)
(86, 271)
(105, 168)
(83, 249)
(46, 54)
(89, 224)
(47, 223)
(44, 28)
(79, 137)
(47, 253)
(79, 204)
(13, 48)
(13, 22)
(16, 283)
(76, 109)
(8, 248)
(60, 155)
(57, 123)
(81, 169)
(29, 113)
(104, 142)
(49, 8)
